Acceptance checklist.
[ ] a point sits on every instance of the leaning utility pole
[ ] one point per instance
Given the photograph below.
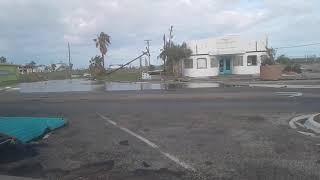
(148, 49)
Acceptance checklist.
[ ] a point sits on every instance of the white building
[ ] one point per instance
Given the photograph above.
(61, 66)
(228, 55)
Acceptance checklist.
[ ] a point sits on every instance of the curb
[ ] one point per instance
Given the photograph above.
(6, 89)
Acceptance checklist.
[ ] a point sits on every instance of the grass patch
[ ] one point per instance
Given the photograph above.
(34, 77)
(8, 83)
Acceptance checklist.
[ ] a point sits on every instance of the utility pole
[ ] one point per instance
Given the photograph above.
(164, 49)
(140, 69)
(70, 70)
(148, 49)
(170, 35)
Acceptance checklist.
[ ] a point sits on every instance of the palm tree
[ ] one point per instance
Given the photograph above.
(102, 42)
(3, 60)
(32, 65)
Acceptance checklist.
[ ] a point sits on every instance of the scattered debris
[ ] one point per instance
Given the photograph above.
(26, 129)
(145, 164)
(46, 136)
(124, 143)
(163, 172)
(208, 163)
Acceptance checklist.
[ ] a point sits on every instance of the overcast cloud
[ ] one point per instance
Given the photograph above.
(39, 30)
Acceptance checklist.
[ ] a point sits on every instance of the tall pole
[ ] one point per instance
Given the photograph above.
(140, 68)
(164, 49)
(148, 49)
(170, 35)
(69, 59)
(170, 41)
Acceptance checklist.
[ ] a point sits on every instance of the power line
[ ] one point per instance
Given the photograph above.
(303, 45)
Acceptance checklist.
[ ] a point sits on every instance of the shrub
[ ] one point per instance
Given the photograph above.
(290, 67)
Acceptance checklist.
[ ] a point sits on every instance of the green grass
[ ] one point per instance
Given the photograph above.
(34, 77)
(8, 83)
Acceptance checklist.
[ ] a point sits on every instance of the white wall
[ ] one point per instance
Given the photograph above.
(195, 72)
(245, 69)
(232, 44)
(248, 69)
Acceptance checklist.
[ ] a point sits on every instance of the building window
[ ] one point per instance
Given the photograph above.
(238, 61)
(252, 60)
(213, 62)
(202, 63)
(188, 63)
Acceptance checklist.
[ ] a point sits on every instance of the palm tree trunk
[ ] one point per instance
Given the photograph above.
(103, 60)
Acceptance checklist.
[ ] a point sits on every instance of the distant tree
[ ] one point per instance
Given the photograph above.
(3, 60)
(270, 58)
(102, 42)
(283, 59)
(174, 53)
(96, 66)
(53, 67)
(32, 65)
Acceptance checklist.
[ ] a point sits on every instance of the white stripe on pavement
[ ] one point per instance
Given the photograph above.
(151, 144)
(290, 94)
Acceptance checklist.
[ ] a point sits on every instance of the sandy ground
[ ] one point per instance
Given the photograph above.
(222, 133)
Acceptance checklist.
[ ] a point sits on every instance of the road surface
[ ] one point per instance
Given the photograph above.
(210, 133)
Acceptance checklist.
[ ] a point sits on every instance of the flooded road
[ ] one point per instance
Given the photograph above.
(75, 85)
(81, 85)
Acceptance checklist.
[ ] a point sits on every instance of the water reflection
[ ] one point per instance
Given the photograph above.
(114, 86)
(75, 85)
(78, 85)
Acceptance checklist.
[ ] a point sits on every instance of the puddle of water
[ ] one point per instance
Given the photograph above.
(78, 85)
(113, 86)
(75, 85)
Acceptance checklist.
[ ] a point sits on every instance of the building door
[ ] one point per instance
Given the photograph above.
(225, 65)
(221, 66)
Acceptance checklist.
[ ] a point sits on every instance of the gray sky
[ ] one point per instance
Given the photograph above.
(39, 30)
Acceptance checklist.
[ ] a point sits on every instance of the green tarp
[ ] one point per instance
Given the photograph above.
(26, 129)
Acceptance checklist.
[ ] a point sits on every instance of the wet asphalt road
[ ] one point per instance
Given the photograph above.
(222, 133)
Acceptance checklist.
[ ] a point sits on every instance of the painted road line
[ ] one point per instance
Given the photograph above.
(149, 143)
(309, 124)
(286, 86)
(294, 121)
(289, 94)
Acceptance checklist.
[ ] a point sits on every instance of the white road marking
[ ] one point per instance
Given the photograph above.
(286, 86)
(307, 124)
(307, 134)
(294, 121)
(151, 144)
(290, 94)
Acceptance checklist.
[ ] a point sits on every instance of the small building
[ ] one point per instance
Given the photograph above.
(8, 72)
(61, 66)
(220, 56)
(27, 69)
